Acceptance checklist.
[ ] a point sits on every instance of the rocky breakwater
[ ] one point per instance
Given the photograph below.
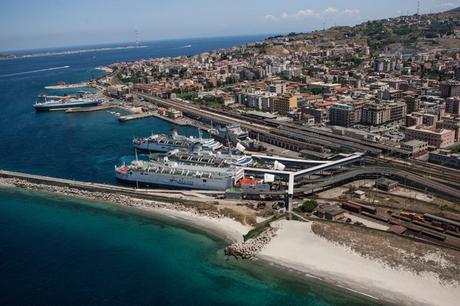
(249, 248)
(128, 201)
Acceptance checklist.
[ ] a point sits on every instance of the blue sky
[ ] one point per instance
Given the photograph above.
(26, 24)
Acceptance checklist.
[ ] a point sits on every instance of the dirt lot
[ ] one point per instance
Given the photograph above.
(392, 250)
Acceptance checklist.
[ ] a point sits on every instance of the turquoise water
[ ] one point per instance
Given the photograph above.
(55, 250)
(61, 251)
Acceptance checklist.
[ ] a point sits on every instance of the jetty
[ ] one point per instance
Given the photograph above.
(91, 108)
(68, 86)
(136, 116)
(71, 186)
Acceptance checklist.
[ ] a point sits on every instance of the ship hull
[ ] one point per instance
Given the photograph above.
(156, 147)
(150, 146)
(174, 182)
(44, 108)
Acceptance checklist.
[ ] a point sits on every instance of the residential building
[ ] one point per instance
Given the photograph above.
(284, 104)
(375, 114)
(439, 138)
(342, 115)
(453, 105)
(450, 89)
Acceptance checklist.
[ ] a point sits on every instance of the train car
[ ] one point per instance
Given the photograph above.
(369, 209)
(435, 228)
(455, 234)
(351, 207)
(433, 235)
(366, 208)
(447, 223)
(404, 218)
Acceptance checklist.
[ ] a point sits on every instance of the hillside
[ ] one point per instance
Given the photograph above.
(404, 33)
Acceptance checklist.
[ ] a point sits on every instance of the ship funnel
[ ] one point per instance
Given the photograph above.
(269, 178)
(174, 133)
(279, 166)
(173, 152)
(240, 147)
(197, 148)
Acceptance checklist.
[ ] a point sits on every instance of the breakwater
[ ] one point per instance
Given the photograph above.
(103, 191)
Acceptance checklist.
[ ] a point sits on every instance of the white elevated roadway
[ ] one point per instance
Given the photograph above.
(323, 165)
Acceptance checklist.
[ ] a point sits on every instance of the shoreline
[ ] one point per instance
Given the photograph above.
(293, 248)
(210, 222)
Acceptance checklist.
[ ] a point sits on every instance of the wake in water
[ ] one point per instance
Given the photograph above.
(33, 71)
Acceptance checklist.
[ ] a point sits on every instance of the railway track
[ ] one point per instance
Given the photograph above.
(431, 171)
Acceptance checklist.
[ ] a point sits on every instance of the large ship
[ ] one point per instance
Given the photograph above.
(65, 104)
(165, 143)
(172, 174)
(208, 157)
(234, 135)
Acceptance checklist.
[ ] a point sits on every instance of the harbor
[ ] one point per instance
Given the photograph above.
(284, 183)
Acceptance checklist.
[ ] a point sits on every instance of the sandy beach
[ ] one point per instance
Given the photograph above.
(221, 226)
(297, 247)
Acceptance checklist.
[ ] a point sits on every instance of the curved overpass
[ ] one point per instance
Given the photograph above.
(376, 171)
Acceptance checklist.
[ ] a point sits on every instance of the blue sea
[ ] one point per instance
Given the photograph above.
(56, 250)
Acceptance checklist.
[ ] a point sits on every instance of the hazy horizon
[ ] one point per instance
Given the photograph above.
(121, 43)
(44, 24)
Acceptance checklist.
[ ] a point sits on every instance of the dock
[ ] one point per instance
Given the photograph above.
(173, 121)
(136, 116)
(90, 108)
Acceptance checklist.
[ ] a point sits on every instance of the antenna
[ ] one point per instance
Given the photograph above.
(136, 33)
(418, 7)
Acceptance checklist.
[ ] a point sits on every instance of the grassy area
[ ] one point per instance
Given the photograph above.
(307, 206)
(191, 95)
(256, 231)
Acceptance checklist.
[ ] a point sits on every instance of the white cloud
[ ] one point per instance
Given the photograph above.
(305, 13)
(311, 13)
(270, 17)
(449, 5)
(330, 10)
(351, 12)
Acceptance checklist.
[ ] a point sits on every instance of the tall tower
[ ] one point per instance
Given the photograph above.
(418, 7)
(136, 33)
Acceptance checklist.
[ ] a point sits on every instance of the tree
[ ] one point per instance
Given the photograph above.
(308, 206)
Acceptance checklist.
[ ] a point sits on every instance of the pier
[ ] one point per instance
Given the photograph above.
(136, 116)
(68, 86)
(160, 195)
(90, 108)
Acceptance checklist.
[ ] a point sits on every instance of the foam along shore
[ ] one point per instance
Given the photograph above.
(297, 247)
(210, 221)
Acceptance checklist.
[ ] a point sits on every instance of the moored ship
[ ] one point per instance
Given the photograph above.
(208, 157)
(65, 104)
(165, 143)
(172, 174)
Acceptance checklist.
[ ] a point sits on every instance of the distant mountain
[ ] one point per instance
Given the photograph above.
(455, 10)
